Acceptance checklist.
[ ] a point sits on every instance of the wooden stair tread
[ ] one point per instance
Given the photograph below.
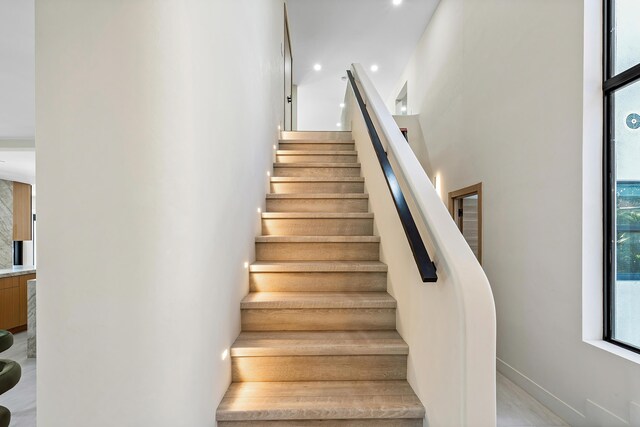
(295, 343)
(317, 135)
(317, 152)
(282, 300)
(319, 344)
(316, 141)
(317, 266)
(317, 196)
(318, 239)
(317, 179)
(317, 215)
(316, 165)
(326, 400)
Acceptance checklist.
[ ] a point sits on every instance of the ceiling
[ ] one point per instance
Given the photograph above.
(17, 90)
(337, 33)
(17, 69)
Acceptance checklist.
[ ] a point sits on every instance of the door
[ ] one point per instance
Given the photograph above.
(465, 206)
(288, 76)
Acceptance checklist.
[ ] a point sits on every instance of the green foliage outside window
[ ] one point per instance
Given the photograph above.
(628, 227)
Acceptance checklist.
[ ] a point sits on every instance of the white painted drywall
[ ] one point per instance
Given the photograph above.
(155, 125)
(505, 98)
(415, 139)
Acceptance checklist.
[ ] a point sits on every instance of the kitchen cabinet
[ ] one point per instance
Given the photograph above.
(22, 212)
(13, 302)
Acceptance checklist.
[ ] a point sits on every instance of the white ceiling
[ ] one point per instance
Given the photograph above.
(17, 69)
(18, 165)
(337, 33)
(334, 33)
(17, 90)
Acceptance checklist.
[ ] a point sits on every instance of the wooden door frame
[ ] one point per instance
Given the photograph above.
(464, 192)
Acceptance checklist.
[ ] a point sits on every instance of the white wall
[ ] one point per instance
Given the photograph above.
(506, 98)
(319, 104)
(155, 125)
(415, 139)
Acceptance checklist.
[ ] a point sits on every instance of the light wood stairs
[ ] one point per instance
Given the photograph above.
(319, 344)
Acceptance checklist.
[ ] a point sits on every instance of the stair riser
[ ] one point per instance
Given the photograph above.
(320, 368)
(318, 251)
(318, 282)
(317, 205)
(319, 172)
(318, 319)
(316, 158)
(318, 146)
(318, 227)
(317, 187)
(317, 136)
(326, 423)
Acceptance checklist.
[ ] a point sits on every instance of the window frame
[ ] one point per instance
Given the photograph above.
(612, 83)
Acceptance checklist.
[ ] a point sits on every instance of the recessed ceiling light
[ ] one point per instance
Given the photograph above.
(317, 67)
(342, 105)
(403, 108)
(338, 124)
(374, 68)
(397, 2)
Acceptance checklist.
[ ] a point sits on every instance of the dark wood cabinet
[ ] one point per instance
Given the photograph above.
(13, 302)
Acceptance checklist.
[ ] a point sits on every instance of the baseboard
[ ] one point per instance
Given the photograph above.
(594, 414)
(599, 416)
(562, 409)
(634, 415)
(18, 329)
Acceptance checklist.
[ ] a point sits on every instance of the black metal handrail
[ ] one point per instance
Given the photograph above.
(426, 267)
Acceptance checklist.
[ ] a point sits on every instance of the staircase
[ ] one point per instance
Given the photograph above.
(319, 344)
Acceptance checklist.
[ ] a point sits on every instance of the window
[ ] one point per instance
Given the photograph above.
(622, 173)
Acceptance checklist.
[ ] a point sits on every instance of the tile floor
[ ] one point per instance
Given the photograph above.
(21, 400)
(516, 408)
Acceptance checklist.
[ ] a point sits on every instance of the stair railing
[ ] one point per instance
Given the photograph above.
(468, 351)
(426, 267)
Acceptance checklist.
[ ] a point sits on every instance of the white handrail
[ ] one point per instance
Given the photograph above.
(454, 258)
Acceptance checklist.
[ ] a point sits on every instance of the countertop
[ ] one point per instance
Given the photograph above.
(17, 270)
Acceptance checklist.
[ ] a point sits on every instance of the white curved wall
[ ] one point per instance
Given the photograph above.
(155, 126)
(450, 325)
(509, 94)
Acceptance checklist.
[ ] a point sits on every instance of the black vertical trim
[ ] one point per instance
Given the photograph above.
(607, 175)
(17, 252)
(612, 83)
(608, 219)
(608, 40)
